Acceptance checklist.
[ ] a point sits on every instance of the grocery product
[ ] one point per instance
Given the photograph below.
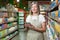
(4, 26)
(21, 18)
(21, 26)
(10, 25)
(21, 21)
(0, 27)
(11, 19)
(21, 14)
(59, 7)
(1, 20)
(3, 33)
(6, 19)
(14, 23)
(53, 14)
(56, 13)
(57, 27)
(5, 15)
(12, 29)
(59, 14)
(56, 1)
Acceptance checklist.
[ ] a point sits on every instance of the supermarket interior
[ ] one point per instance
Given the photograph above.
(13, 14)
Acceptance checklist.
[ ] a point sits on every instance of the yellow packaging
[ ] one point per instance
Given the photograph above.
(3, 39)
(4, 32)
(56, 13)
(57, 27)
(56, 1)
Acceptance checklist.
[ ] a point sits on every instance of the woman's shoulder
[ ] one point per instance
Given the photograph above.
(40, 15)
(29, 16)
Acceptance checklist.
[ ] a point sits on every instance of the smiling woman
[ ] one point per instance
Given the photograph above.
(35, 23)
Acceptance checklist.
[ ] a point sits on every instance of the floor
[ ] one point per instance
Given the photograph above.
(20, 36)
(16, 37)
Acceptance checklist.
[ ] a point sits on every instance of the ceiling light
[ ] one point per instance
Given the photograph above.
(51, 0)
(18, 0)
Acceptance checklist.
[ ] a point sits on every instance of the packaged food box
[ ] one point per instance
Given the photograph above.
(3, 39)
(59, 7)
(4, 26)
(59, 13)
(21, 21)
(3, 33)
(14, 23)
(0, 27)
(6, 19)
(56, 13)
(10, 25)
(1, 20)
(57, 27)
(53, 14)
(21, 26)
(21, 13)
(11, 19)
(21, 18)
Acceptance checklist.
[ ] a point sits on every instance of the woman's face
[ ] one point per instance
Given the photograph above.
(34, 8)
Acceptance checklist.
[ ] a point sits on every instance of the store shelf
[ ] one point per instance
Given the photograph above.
(52, 23)
(8, 34)
(8, 22)
(21, 19)
(7, 11)
(56, 20)
(53, 7)
(56, 25)
(42, 10)
(13, 36)
(7, 28)
(3, 10)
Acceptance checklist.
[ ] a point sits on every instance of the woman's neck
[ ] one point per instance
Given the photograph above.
(35, 14)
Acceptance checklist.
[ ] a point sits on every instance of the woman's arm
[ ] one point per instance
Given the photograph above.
(42, 29)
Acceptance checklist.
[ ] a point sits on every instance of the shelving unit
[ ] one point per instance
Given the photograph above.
(54, 17)
(53, 6)
(8, 24)
(21, 18)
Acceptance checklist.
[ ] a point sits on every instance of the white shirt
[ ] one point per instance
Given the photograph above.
(35, 20)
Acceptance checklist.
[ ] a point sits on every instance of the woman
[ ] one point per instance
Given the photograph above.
(35, 23)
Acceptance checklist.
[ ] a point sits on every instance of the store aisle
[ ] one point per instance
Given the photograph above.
(16, 37)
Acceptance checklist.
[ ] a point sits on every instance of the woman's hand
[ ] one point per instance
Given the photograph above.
(31, 26)
(27, 25)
